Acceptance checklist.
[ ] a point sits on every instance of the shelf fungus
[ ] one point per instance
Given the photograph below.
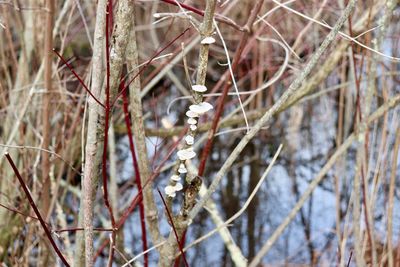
(182, 169)
(199, 88)
(208, 40)
(201, 108)
(170, 190)
(192, 114)
(192, 121)
(185, 154)
(189, 140)
(175, 178)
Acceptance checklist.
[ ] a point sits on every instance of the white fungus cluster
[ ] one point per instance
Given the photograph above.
(194, 112)
(171, 190)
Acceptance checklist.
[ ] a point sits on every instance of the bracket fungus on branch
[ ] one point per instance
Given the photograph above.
(175, 178)
(199, 88)
(208, 40)
(182, 169)
(185, 154)
(170, 190)
(189, 140)
(201, 108)
(192, 114)
(192, 121)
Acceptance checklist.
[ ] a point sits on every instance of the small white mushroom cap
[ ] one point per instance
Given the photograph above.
(192, 121)
(178, 187)
(189, 140)
(201, 108)
(192, 114)
(208, 40)
(185, 154)
(182, 168)
(175, 178)
(193, 127)
(157, 15)
(199, 88)
(170, 191)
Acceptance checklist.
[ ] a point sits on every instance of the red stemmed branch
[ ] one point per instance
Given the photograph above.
(200, 12)
(182, 244)
(106, 126)
(185, 6)
(174, 228)
(36, 210)
(147, 64)
(138, 198)
(77, 76)
(137, 173)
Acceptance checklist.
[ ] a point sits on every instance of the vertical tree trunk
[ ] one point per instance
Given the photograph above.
(93, 144)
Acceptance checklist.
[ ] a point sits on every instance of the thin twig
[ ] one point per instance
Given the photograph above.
(35, 209)
(173, 228)
(143, 253)
(147, 64)
(137, 173)
(218, 17)
(78, 77)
